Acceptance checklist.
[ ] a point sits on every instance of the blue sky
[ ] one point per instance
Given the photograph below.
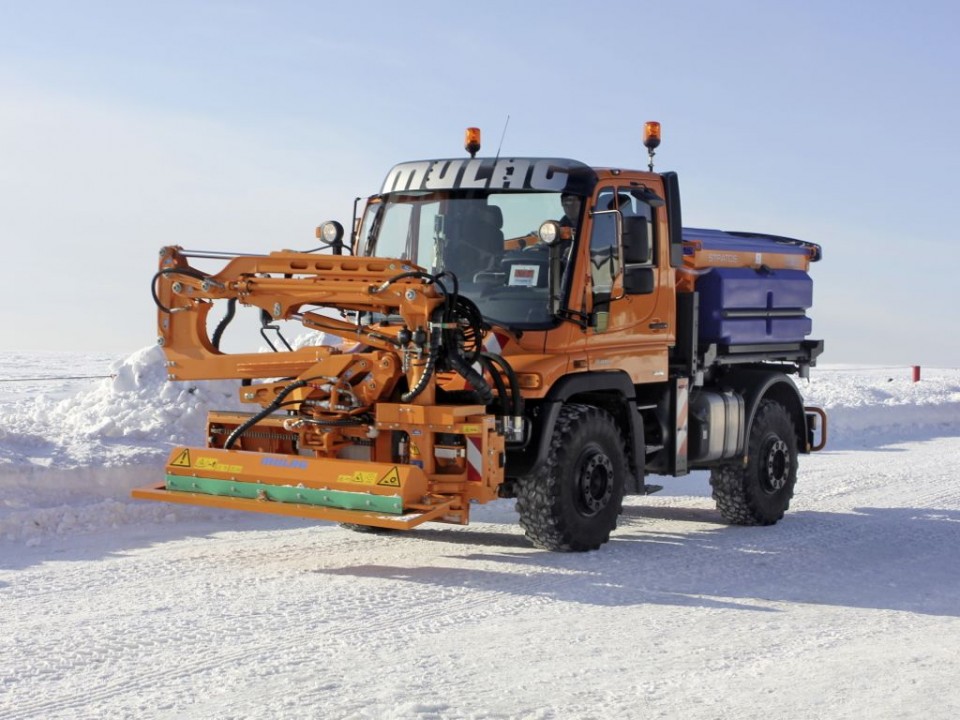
(125, 126)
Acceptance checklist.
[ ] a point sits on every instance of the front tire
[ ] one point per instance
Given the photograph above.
(759, 491)
(571, 502)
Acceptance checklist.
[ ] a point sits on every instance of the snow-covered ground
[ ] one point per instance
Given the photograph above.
(113, 608)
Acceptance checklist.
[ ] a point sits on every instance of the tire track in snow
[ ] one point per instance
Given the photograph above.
(357, 605)
(671, 553)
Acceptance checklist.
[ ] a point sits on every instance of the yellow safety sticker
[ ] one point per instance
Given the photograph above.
(470, 429)
(391, 479)
(414, 450)
(209, 463)
(359, 477)
(182, 460)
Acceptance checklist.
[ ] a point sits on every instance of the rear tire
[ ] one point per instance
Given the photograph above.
(571, 502)
(759, 491)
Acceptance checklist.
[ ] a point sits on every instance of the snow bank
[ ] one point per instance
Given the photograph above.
(68, 463)
(871, 407)
(43, 502)
(135, 416)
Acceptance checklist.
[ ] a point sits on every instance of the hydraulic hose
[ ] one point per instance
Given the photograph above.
(498, 381)
(277, 402)
(189, 272)
(410, 274)
(222, 325)
(428, 368)
(443, 318)
(480, 385)
(512, 377)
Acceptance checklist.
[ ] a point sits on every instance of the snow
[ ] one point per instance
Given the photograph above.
(848, 608)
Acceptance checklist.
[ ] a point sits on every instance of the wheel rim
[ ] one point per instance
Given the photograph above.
(777, 466)
(594, 482)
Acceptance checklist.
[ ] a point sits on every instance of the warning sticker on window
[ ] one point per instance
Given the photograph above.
(524, 275)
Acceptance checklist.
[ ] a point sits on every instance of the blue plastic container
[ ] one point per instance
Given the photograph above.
(749, 306)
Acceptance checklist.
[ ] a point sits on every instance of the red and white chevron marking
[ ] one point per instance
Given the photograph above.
(474, 459)
(494, 342)
(683, 403)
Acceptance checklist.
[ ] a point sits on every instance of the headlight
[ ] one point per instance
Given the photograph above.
(549, 232)
(330, 232)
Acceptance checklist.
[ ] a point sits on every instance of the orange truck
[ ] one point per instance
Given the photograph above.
(529, 328)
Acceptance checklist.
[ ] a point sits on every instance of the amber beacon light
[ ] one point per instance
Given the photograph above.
(471, 141)
(651, 139)
(651, 134)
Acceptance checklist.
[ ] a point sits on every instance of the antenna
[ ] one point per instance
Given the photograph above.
(502, 136)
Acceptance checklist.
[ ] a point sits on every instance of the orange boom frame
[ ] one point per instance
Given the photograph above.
(341, 451)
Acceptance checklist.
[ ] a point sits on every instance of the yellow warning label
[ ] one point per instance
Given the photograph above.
(471, 429)
(414, 450)
(391, 479)
(359, 477)
(209, 463)
(182, 460)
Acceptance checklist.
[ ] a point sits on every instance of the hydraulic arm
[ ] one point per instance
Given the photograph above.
(351, 432)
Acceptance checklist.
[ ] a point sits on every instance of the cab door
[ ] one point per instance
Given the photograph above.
(629, 279)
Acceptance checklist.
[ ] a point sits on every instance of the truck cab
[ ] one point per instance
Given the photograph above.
(604, 309)
(597, 289)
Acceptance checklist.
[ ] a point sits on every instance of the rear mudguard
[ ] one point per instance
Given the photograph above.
(759, 384)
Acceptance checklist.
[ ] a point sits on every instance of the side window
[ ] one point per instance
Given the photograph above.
(604, 258)
(639, 243)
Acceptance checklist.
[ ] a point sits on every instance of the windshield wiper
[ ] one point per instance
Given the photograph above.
(375, 228)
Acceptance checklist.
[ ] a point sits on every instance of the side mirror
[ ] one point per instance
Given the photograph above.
(638, 280)
(637, 243)
(645, 194)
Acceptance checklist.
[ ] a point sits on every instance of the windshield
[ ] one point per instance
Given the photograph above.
(487, 239)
